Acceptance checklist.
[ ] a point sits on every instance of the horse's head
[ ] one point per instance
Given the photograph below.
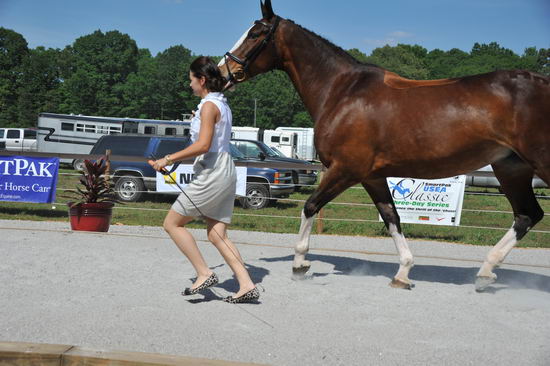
(254, 53)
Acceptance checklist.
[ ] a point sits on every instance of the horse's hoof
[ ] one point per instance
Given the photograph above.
(299, 273)
(482, 282)
(397, 283)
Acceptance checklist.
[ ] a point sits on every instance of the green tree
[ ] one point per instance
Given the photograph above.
(443, 64)
(488, 57)
(277, 102)
(402, 59)
(140, 96)
(359, 56)
(543, 61)
(96, 66)
(13, 50)
(172, 81)
(39, 82)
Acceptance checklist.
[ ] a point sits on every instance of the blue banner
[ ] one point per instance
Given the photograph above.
(26, 179)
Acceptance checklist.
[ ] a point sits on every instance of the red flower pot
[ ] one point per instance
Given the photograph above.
(91, 216)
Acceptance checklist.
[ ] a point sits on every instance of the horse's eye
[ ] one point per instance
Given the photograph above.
(254, 35)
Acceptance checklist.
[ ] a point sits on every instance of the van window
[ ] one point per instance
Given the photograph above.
(30, 134)
(104, 130)
(171, 146)
(1, 133)
(133, 146)
(13, 134)
(275, 138)
(85, 128)
(170, 131)
(149, 130)
(67, 126)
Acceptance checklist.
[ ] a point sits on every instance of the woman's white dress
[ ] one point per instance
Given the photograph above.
(212, 190)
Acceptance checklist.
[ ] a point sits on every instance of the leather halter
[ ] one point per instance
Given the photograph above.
(252, 54)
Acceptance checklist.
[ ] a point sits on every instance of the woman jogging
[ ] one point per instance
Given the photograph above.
(211, 194)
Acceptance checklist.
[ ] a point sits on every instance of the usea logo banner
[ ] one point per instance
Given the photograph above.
(434, 202)
(26, 179)
(183, 175)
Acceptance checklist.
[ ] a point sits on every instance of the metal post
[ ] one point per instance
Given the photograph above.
(255, 107)
(320, 226)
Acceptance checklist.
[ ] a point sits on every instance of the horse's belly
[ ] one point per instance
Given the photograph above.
(461, 162)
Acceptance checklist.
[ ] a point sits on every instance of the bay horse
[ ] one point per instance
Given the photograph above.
(371, 123)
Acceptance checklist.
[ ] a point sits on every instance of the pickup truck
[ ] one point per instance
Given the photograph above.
(133, 179)
(18, 139)
(260, 150)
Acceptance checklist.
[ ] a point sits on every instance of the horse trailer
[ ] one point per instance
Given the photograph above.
(77, 134)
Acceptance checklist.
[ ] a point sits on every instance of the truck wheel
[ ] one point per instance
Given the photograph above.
(78, 165)
(129, 189)
(257, 196)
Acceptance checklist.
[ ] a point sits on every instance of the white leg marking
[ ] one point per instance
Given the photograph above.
(302, 246)
(405, 255)
(498, 253)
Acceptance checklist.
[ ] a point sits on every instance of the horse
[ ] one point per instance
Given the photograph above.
(453, 126)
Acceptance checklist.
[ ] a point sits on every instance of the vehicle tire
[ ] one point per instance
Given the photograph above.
(257, 196)
(78, 165)
(129, 189)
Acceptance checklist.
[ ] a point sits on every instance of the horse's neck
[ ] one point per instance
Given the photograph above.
(312, 65)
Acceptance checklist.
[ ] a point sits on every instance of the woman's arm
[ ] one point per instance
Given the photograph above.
(210, 114)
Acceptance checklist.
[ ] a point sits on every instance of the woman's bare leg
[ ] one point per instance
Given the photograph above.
(217, 234)
(174, 224)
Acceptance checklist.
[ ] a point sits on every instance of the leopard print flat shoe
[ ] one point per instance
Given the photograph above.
(210, 281)
(251, 296)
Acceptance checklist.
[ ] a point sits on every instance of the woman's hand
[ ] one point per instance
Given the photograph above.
(158, 165)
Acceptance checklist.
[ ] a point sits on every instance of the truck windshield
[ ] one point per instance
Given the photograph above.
(235, 153)
(279, 153)
(268, 150)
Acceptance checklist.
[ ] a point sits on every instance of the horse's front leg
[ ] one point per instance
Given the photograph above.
(333, 183)
(300, 265)
(381, 196)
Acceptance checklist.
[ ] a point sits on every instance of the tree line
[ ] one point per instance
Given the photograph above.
(106, 74)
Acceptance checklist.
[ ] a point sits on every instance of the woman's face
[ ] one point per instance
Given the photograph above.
(197, 84)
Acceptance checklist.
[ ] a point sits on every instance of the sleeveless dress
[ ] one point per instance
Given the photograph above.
(213, 187)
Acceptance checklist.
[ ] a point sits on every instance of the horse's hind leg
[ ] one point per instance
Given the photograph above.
(334, 182)
(515, 178)
(381, 196)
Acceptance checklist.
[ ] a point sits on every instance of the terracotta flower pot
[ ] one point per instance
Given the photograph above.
(91, 216)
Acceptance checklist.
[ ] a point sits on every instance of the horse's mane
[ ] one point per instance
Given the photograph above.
(338, 50)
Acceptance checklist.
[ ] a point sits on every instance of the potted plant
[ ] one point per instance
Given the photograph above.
(94, 209)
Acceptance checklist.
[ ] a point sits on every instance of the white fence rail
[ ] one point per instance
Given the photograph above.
(317, 167)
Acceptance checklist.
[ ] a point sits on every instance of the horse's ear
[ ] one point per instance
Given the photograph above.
(267, 10)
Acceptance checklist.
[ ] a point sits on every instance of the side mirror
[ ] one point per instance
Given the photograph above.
(261, 155)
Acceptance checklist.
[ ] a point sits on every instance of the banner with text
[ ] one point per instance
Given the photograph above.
(184, 175)
(433, 202)
(26, 179)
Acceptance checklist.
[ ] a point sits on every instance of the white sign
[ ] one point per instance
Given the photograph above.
(433, 202)
(183, 175)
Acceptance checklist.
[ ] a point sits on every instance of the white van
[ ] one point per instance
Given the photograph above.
(18, 139)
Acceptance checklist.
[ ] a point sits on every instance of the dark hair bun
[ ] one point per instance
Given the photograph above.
(204, 66)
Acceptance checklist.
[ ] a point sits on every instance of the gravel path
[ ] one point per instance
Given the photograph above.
(120, 291)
